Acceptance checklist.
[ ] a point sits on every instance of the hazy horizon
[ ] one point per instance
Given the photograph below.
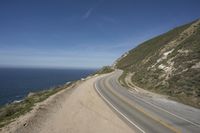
(83, 34)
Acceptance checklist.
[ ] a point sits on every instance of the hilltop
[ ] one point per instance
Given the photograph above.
(168, 64)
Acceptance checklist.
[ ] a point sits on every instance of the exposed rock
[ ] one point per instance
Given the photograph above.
(168, 63)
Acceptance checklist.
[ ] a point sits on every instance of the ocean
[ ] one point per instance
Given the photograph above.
(16, 83)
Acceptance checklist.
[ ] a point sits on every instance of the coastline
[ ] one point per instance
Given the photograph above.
(21, 121)
(11, 111)
(16, 83)
(14, 110)
(66, 109)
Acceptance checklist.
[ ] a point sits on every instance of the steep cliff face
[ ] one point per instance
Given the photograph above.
(167, 64)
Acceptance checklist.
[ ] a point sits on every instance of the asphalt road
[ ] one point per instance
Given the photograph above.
(146, 114)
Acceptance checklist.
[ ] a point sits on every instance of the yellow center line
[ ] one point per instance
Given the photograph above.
(165, 124)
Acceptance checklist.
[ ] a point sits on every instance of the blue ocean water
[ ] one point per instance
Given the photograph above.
(16, 83)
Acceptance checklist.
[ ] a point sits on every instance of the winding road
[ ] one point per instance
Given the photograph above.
(147, 114)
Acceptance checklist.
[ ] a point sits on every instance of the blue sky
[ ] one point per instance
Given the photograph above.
(83, 33)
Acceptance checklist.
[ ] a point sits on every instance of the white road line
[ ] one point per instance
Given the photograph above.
(169, 112)
(118, 110)
(166, 111)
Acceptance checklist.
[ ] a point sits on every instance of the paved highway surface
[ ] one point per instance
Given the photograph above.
(147, 114)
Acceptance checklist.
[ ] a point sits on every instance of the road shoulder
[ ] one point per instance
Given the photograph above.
(81, 110)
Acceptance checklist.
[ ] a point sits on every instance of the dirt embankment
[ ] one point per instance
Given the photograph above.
(77, 110)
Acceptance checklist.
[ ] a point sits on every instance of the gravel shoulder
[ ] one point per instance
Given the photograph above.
(72, 110)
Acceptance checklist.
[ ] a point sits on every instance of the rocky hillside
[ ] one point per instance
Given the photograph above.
(168, 64)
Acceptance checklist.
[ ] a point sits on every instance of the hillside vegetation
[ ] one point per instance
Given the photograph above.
(10, 112)
(104, 70)
(168, 64)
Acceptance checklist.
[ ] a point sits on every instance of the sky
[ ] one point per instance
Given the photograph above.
(83, 33)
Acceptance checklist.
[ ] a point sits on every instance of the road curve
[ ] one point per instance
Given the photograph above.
(145, 114)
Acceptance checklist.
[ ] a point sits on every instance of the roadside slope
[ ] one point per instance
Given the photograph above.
(81, 111)
(168, 64)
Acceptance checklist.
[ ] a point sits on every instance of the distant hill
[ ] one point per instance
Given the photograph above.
(168, 64)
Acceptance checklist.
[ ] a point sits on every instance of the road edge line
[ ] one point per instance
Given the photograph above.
(164, 110)
(117, 109)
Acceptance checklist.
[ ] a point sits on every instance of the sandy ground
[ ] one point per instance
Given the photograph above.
(76, 110)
